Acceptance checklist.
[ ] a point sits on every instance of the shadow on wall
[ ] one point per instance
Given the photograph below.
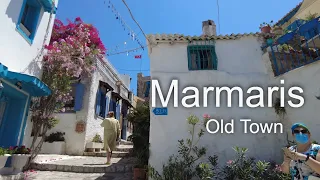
(34, 68)
(13, 10)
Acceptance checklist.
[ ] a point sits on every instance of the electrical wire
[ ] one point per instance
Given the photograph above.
(133, 70)
(218, 15)
(124, 2)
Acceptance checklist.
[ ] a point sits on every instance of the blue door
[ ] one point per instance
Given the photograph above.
(13, 110)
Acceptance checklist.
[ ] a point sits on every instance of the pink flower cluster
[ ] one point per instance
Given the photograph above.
(70, 55)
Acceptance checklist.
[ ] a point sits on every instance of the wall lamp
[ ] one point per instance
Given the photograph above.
(19, 84)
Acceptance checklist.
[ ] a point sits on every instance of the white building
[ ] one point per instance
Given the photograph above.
(106, 90)
(24, 26)
(225, 60)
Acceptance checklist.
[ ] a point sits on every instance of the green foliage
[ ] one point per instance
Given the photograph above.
(140, 118)
(3, 151)
(243, 167)
(97, 139)
(55, 137)
(185, 165)
(311, 16)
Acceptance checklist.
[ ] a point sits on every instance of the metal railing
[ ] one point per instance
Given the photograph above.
(295, 49)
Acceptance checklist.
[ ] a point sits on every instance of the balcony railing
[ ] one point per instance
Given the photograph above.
(296, 48)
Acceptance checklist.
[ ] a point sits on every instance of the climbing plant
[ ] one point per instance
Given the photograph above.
(70, 56)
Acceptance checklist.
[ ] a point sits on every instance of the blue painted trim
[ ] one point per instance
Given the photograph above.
(25, 122)
(80, 90)
(98, 98)
(4, 119)
(288, 16)
(47, 5)
(35, 24)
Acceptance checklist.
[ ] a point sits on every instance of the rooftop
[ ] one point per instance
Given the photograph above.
(186, 38)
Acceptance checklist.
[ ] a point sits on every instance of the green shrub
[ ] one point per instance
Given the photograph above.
(247, 168)
(185, 165)
(97, 139)
(55, 137)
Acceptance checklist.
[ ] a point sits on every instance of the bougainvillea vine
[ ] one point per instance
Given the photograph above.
(70, 56)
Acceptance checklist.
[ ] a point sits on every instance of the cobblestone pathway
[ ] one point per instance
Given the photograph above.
(54, 175)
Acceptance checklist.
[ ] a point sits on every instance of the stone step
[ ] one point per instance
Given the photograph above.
(54, 175)
(124, 142)
(86, 164)
(115, 154)
(19, 176)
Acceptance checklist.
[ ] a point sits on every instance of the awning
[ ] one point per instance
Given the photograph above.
(116, 95)
(30, 84)
(127, 101)
(110, 88)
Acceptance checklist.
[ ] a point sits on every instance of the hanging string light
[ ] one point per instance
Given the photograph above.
(125, 26)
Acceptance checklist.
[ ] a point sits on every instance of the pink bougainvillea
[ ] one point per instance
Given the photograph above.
(70, 56)
(71, 53)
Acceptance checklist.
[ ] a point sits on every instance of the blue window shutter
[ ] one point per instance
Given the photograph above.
(103, 105)
(111, 108)
(79, 96)
(31, 21)
(118, 111)
(147, 89)
(106, 106)
(98, 98)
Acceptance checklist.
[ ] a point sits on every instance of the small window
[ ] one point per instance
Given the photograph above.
(69, 106)
(28, 19)
(202, 57)
(102, 100)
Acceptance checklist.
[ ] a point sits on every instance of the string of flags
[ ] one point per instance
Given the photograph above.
(130, 32)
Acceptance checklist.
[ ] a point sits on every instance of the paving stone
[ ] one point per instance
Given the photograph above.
(19, 176)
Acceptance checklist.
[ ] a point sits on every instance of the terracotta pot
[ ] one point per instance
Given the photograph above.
(139, 174)
(266, 29)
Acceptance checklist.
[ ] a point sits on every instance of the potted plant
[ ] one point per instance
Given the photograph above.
(311, 16)
(54, 144)
(140, 118)
(140, 169)
(96, 144)
(266, 27)
(20, 156)
(3, 157)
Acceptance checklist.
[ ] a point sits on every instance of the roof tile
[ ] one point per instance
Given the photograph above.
(181, 37)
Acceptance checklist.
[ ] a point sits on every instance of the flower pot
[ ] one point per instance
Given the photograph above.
(3, 160)
(18, 161)
(266, 29)
(139, 174)
(269, 42)
(58, 147)
(94, 147)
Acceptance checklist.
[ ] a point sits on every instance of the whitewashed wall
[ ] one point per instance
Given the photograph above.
(240, 63)
(16, 52)
(75, 142)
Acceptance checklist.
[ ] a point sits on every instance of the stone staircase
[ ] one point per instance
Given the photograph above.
(91, 162)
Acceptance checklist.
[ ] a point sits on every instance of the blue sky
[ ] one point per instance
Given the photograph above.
(167, 16)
